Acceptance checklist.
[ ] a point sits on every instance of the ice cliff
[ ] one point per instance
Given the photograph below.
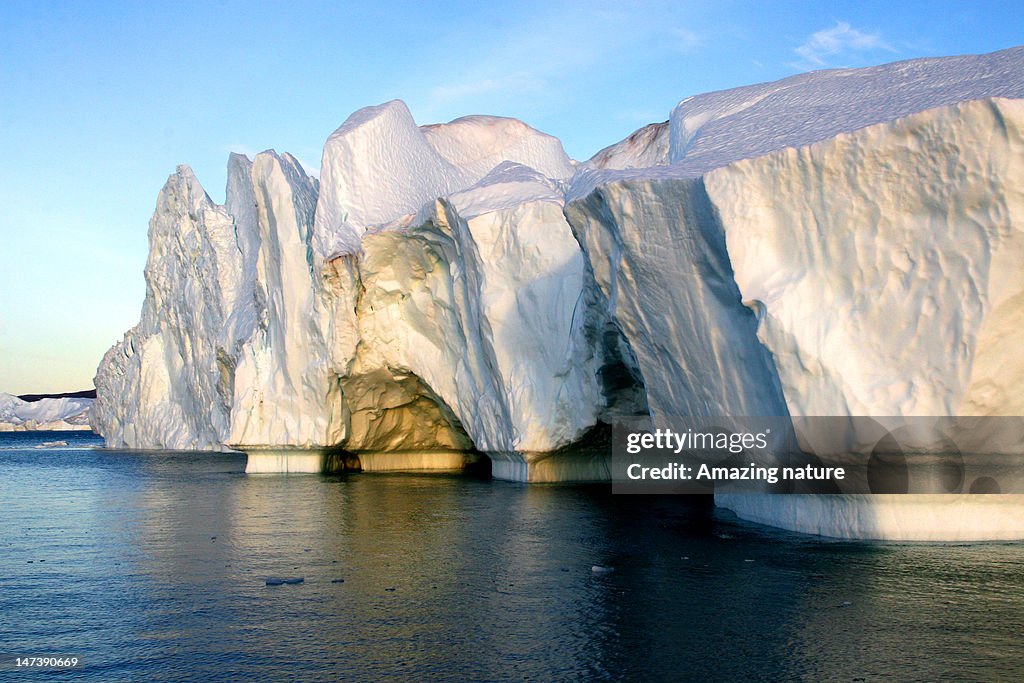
(51, 414)
(840, 243)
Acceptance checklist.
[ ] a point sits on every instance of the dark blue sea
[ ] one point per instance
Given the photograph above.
(153, 567)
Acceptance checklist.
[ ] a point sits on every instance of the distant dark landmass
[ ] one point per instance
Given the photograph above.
(88, 393)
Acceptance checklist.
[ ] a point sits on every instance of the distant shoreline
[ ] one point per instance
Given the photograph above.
(8, 428)
(32, 398)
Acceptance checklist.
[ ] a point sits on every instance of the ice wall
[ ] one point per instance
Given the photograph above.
(658, 253)
(887, 262)
(887, 517)
(282, 387)
(890, 282)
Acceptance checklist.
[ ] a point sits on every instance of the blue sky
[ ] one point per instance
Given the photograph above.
(100, 101)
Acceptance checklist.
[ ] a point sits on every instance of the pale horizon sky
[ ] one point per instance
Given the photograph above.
(100, 102)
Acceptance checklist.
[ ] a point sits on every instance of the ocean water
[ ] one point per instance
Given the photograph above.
(153, 567)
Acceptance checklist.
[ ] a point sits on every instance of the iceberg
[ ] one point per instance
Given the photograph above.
(426, 297)
(45, 414)
(839, 243)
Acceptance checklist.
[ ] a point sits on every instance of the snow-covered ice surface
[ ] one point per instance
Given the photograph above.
(715, 129)
(841, 242)
(49, 414)
(712, 130)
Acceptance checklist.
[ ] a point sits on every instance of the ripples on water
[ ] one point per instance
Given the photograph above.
(152, 566)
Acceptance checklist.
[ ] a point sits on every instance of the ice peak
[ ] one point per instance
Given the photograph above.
(393, 112)
(478, 143)
(184, 183)
(379, 166)
(645, 147)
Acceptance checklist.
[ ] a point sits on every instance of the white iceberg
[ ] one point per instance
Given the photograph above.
(838, 243)
(427, 296)
(45, 414)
